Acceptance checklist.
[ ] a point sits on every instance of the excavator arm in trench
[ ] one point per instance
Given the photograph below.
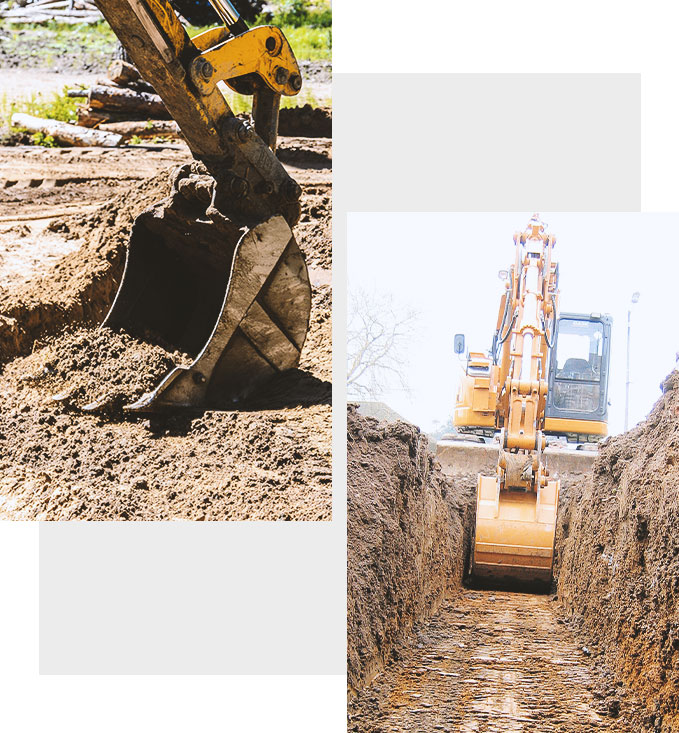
(516, 508)
(215, 270)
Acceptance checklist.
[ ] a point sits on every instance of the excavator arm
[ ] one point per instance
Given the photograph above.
(214, 270)
(185, 74)
(516, 508)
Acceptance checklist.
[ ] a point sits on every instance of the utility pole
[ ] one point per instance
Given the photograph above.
(635, 299)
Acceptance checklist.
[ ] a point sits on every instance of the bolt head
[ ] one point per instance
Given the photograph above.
(198, 378)
(296, 82)
(281, 75)
(239, 187)
(207, 70)
(245, 132)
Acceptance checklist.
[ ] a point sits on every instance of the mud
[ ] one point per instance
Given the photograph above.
(619, 578)
(271, 460)
(406, 543)
(307, 121)
(492, 661)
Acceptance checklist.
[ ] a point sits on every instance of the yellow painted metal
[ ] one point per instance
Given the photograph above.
(581, 427)
(210, 38)
(515, 530)
(477, 395)
(264, 51)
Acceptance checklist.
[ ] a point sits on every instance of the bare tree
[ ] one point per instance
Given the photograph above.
(379, 334)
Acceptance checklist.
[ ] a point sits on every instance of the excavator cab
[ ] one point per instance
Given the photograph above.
(577, 400)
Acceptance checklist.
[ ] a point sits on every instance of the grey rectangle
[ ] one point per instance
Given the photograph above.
(487, 142)
(191, 598)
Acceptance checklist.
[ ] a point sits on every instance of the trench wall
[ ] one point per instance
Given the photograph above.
(406, 539)
(619, 564)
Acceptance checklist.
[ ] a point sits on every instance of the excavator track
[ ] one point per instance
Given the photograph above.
(491, 662)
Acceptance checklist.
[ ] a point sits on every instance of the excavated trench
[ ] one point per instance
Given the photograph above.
(427, 653)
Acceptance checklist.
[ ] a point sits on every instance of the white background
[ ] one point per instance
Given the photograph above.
(368, 37)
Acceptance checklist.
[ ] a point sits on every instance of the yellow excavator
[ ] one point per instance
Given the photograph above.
(546, 374)
(214, 271)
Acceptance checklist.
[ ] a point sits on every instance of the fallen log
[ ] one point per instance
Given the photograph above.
(121, 72)
(126, 75)
(141, 128)
(119, 99)
(65, 133)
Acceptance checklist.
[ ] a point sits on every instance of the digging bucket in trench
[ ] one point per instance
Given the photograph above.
(237, 300)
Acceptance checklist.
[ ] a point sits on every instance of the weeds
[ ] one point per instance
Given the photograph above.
(46, 141)
(310, 43)
(59, 107)
(298, 13)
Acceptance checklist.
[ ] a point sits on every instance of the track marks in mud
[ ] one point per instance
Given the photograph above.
(488, 661)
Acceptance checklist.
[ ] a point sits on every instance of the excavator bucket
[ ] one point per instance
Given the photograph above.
(214, 271)
(236, 300)
(514, 539)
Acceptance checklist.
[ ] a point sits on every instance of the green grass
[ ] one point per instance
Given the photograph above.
(73, 47)
(92, 45)
(55, 107)
(308, 43)
(298, 13)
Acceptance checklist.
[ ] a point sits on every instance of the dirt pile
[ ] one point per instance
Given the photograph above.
(306, 121)
(619, 577)
(80, 287)
(91, 367)
(58, 463)
(406, 543)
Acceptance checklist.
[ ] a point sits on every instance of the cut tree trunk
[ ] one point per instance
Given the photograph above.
(88, 117)
(125, 74)
(121, 72)
(118, 99)
(140, 128)
(65, 133)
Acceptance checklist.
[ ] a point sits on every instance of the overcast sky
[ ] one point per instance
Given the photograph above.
(445, 266)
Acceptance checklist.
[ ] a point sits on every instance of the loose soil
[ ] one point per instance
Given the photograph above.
(270, 460)
(619, 577)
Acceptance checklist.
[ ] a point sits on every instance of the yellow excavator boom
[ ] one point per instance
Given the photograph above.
(516, 507)
(215, 270)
